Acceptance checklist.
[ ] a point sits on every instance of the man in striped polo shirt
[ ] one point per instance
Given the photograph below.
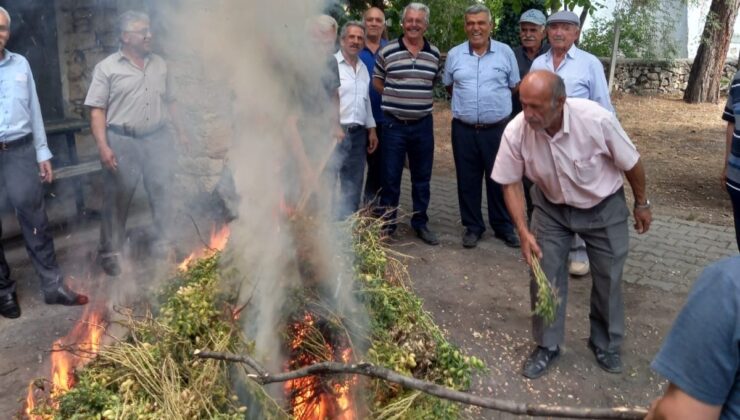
(731, 171)
(405, 72)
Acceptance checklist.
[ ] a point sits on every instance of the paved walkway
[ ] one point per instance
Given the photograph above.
(669, 257)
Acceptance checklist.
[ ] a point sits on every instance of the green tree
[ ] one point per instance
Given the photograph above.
(644, 32)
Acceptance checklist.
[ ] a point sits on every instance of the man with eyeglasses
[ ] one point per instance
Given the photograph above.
(132, 112)
(24, 165)
(405, 72)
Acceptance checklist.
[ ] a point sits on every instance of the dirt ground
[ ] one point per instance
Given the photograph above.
(479, 296)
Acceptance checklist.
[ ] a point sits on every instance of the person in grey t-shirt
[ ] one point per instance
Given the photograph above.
(701, 355)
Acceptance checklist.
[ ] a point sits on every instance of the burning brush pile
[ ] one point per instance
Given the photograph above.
(152, 372)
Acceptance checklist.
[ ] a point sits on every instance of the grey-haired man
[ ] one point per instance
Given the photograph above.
(132, 107)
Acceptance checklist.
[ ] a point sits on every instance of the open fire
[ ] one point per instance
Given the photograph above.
(83, 342)
(315, 397)
(70, 352)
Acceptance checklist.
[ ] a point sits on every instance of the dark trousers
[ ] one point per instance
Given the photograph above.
(19, 179)
(149, 158)
(348, 163)
(475, 152)
(373, 182)
(733, 188)
(604, 229)
(415, 139)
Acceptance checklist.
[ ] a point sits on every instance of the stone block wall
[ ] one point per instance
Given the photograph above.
(653, 77)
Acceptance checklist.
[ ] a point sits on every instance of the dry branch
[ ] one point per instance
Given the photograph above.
(366, 369)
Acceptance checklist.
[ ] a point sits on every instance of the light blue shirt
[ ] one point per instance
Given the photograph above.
(20, 112)
(582, 73)
(481, 86)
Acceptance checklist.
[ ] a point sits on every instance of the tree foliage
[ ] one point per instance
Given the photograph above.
(645, 32)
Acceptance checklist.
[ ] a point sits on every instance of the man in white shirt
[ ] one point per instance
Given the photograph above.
(355, 117)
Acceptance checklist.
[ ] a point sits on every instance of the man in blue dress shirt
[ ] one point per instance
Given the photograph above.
(584, 77)
(24, 164)
(480, 74)
(374, 20)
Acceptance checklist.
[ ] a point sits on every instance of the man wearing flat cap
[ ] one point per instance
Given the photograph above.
(532, 38)
(584, 77)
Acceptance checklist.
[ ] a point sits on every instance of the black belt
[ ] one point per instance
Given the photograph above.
(482, 126)
(130, 132)
(351, 128)
(404, 121)
(14, 144)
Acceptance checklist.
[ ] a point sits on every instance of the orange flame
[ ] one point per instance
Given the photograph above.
(84, 341)
(310, 397)
(219, 239)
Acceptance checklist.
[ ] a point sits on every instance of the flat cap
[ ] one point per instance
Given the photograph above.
(564, 16)
(533, 16)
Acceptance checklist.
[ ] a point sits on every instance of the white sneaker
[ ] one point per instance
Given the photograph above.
(578, 268)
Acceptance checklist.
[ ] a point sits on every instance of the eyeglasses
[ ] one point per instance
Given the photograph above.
(143, 32)
(4, 28)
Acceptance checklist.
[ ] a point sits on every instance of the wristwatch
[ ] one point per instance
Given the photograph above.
(645, 206)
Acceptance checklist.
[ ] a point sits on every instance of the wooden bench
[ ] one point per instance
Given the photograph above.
(72, 168)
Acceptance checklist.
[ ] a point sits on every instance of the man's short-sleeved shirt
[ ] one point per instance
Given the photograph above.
(582, 73)
(134, 98)
(408, 80)
(579, 166)
(20, 111)
(368, 57)
(701, 354)
(731, 114)
(482, 85)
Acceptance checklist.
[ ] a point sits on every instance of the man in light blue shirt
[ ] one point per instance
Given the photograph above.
(24, 165)
(480, 74)
(582, 72)
(584, 77)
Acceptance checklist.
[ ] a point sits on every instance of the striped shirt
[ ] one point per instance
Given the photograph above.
(731, 115)
(408, 80)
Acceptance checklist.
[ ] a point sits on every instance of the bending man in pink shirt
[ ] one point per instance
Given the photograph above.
(575, 153)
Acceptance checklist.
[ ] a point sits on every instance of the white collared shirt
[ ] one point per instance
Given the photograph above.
(354, 94)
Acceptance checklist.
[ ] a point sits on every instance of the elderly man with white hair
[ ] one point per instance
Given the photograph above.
(405, 72)
(25, 163)
(132, 113)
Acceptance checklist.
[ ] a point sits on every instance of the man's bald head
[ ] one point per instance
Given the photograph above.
(542, 94)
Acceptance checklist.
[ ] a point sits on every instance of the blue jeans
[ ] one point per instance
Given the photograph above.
(349, 164)
(733, 188)
(415, 139)
(475, 152)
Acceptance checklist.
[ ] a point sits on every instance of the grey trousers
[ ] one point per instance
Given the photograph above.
(19, 179)
(150, 158)
(604, 229)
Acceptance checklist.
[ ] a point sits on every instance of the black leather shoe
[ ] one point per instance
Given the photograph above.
(539, 361)
(427, 236)
(9, 307)
(510, 239)
(110, 266)
(64, 296)
(610, 361)
(470, 239)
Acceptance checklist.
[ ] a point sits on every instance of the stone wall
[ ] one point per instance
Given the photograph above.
(652, 77)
